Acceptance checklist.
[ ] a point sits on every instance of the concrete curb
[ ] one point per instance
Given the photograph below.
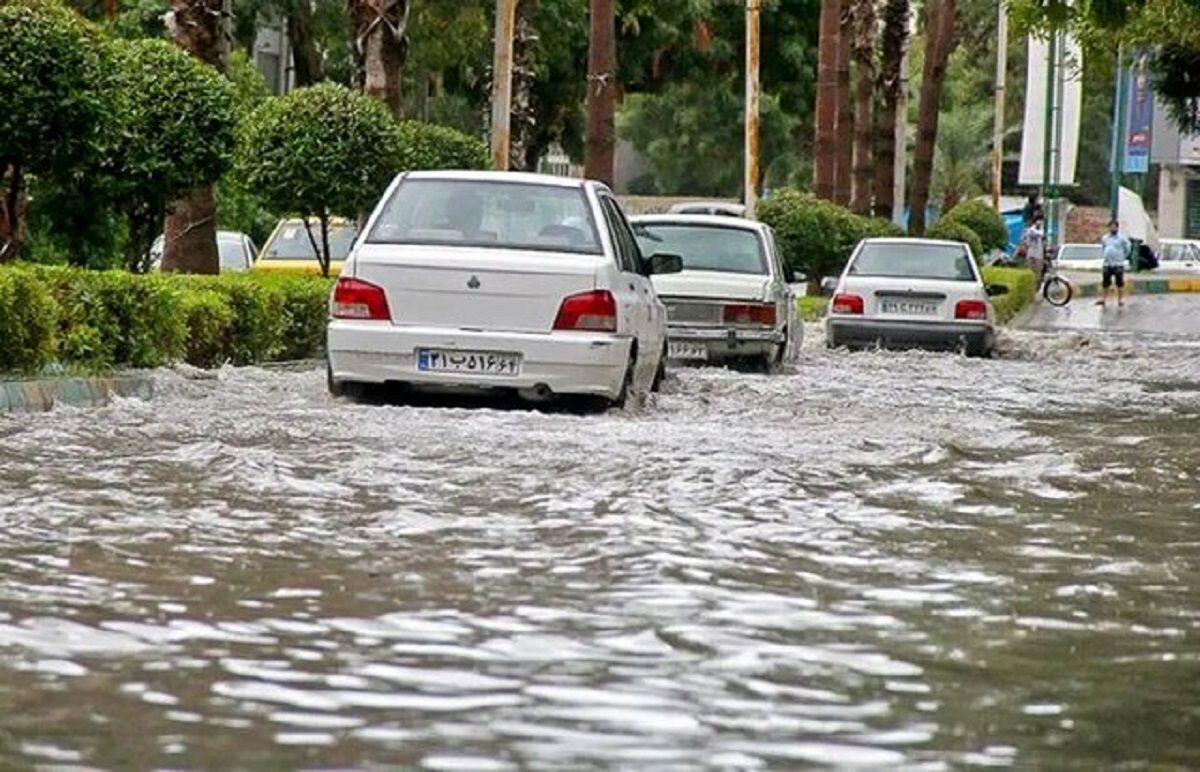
(1144, 286)
(44, 394)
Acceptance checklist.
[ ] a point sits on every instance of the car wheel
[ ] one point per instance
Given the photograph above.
(661, 373)
(627, 385)
(347, 389)
(772, 363)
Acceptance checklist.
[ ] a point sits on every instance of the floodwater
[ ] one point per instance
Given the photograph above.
(879, 560)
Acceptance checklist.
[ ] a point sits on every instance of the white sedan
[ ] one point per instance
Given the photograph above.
(912, 292)
(499, 281)
(1179, 255)
(732, 301)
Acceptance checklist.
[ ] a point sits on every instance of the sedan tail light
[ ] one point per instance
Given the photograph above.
(846, 304)
(750, 313)
(970, 309)
(357, 299)
(594, 311)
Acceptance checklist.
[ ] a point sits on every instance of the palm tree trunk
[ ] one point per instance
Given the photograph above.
(381, 46)
(522, 153)
(940, 35)
(845, 111)
(599, 160)
(307, 65)
(825, 119)
(864, 101)
(190, 227)
(12, 211)
(895, 36)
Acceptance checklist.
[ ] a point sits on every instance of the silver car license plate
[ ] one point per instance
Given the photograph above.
(436, 360)
(692, 351)
(908, 307)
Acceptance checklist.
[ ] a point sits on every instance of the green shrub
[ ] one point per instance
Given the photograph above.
(987, 223)
(949, 230)
(100, 320)
(27, 322)
(812, 308)
(429, 146)
(1022, 286)
(817, 236)
(318, 152)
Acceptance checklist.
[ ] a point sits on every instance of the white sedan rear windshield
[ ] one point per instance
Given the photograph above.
(502, 215)
(914, 261)
(705, 247)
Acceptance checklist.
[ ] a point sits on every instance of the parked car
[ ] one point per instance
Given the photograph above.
(733, 299)
(1179, 255)
(912, 293)
(289, 248)
(493, 280)
(1082, 257)
(236, 252)
(724, 208)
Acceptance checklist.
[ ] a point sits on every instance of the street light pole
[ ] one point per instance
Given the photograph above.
(1117, 160)
(502, 68)
(752, 107)
(998, 123)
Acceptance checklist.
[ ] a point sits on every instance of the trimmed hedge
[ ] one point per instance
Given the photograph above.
(1022, 286)
(951, 230)
(99, 320)
(980, 217)
(816, 236)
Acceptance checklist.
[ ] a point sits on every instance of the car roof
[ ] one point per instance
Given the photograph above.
(707, 220)
(494, 176)
(908, 240)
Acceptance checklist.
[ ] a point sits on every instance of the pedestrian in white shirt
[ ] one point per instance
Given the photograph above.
(1116, 250)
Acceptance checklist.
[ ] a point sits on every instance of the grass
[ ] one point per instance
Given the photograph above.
(812, 307)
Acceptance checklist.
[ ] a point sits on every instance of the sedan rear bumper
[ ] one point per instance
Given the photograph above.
(565, 363)
(949, 336)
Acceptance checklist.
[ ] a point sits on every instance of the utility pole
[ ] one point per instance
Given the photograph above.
(752, 106)
(601, 93)
(998, 124)
(502, 66)
(1049, 160)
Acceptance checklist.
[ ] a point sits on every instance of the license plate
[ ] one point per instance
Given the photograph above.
(434, 360)
(909, 307)
(687, 351)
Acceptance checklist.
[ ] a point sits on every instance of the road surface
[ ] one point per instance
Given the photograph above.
(1172, 315)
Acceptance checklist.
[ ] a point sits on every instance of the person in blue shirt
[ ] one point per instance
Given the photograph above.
(1116, 249)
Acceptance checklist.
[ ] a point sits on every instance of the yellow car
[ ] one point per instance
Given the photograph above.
(290, 250)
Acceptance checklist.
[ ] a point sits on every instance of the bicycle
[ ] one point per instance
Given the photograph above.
(1056, 290)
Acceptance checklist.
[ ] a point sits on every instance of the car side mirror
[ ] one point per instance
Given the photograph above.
(789, 274)
(994, 290)
(661, 262)
(828, 285)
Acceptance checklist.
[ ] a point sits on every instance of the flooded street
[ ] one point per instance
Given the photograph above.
(880, 559)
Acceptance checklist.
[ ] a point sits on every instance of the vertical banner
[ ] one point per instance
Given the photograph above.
(1139, 115)
(1033, 136)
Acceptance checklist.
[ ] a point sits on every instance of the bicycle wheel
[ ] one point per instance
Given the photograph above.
(1057, 291)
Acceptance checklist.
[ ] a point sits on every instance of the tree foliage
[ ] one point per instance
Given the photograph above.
(817, 236)
(429, 146)
(319, 152)
(953, 230)
(171, 129)
(985, 221)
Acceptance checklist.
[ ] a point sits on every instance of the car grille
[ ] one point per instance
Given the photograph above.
(688, 312)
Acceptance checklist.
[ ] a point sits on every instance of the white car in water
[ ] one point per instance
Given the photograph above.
(912, 293)
(499, 281)
(1179, 256)
(733, 300)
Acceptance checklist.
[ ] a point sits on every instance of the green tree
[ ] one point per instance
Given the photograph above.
(429, 146)
(50, 102)
(319, 152)
(172, 124)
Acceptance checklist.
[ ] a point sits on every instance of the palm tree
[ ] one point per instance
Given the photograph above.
(845, 108)
(962, 163)
(521, 155)
(864, 97)
(940, 38)
(380, 47)
(825, 140)
(890, 86)
(601, 92)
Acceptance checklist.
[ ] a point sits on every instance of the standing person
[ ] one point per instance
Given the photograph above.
(1033, 243)
(1116, 250)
